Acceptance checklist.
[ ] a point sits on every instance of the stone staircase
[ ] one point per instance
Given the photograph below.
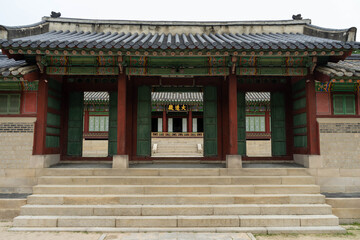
(179, 147)
(254, 200)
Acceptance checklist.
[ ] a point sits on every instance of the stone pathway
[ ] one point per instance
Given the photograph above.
(178, 236)
(9, 235)
(352, 234)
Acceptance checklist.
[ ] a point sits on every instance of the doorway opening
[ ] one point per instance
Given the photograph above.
(258, 124)
(95, 124)
(177, 126)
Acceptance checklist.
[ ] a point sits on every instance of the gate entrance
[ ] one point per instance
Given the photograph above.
(261, 124)
(177, 122)
(258, 124)
(92, 124)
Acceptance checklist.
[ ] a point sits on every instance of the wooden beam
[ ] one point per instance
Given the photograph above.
(121, 118)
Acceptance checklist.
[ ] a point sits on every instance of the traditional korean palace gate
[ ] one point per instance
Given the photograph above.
(130, 66)
(130, 99)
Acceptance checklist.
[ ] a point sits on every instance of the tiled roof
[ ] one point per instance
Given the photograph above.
(13, 68)
(90, 97)
(353, 57)
(347, 68)
(67, 39)
(177, 97)
(257, 97)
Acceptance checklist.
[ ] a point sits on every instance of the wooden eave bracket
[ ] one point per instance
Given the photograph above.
(313, 65)
(41, 63)
(120, 64)
(233, 61)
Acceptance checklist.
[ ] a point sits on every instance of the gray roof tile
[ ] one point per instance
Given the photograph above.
(67, 39)
(11, 67)
(178, 97)
(347, 68)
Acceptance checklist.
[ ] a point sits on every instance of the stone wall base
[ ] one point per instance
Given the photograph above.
(120, 161)
(308, 161)
(44, 161)
(233, 161)
(346, 209)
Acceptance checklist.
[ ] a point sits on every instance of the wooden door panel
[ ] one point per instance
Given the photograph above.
(210, 121)
(241, 123)
(75, 124)
(112, 142)
(143, 145)
(278, 124)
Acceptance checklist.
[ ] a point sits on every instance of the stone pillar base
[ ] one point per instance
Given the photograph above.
(120, 161)
(233, 161)
(44, 161)
(309, 161)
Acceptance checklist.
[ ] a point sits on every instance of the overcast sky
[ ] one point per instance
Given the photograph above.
(325, 13)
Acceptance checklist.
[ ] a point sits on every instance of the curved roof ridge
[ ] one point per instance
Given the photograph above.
(329, 29)
(175, 23)
(24, 26)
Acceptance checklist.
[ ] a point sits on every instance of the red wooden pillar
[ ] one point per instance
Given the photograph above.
(267, 121)
(312, 129)
(121, 117)
(164, 121)
(190, 119)
(233, 131)
(40, 125)
(86, 120)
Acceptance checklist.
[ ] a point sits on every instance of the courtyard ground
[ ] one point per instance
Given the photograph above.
(353, 233)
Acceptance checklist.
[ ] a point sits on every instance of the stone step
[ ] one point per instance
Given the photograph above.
(177, 221)
(170, 199)
(177, 149)
(179, 154)
(176, 189)
(176, 180)
(257, 230)
(183, 155)
(174, 210)
(174, 141)
(177, 146)
(173, 172)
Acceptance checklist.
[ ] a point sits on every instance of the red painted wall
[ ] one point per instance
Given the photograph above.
(323, 103)
(29, 103)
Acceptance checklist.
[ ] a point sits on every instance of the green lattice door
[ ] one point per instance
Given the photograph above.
(75, 124)
(278, 126)
(210, 121)
(112, 144)
(143, 145)
(241, 124)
